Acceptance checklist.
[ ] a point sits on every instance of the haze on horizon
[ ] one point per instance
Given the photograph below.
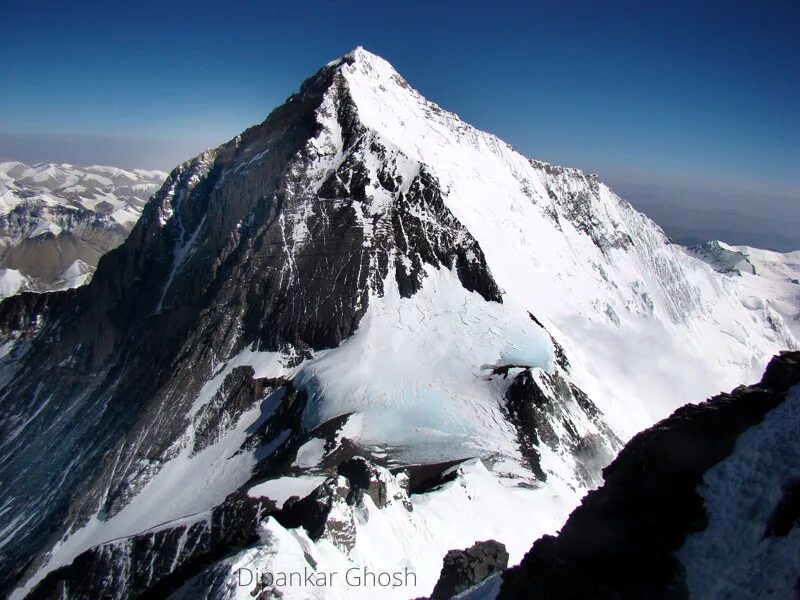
(689, 110)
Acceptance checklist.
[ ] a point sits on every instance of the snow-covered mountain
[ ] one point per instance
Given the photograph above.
(56, 220)
(763, 276)
(358, 335)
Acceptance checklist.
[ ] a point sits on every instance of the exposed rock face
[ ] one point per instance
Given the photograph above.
(23, 315)
(579, 206)
(153, 563)
(329, 510)
(463, 569)
(547, 410)
(623, 541)
(786, 515)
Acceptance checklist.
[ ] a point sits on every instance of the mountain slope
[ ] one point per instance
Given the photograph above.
(362, 274)
(763, 276)
(52, 215)
(703, 505)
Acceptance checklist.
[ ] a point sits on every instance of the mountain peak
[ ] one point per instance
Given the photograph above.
(359, 55)
(356, 276)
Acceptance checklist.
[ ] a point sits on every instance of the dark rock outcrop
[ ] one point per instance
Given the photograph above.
(547, 409)
(543, 408)
(23, 315)
(355, 479)
(463, 569)
(620, 542)
(155, 563)
(786, 515)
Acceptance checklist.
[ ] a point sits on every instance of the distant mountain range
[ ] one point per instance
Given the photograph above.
(741, 215)
(56, 220)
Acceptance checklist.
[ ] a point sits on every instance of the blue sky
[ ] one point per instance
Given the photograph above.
(697, 94)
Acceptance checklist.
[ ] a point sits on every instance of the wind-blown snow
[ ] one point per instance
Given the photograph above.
(732, 558)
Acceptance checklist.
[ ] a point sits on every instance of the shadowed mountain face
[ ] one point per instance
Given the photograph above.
(704, 504)
(362, 277)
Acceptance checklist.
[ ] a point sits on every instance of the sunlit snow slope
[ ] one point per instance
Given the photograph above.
(635, 311)
(763, 277)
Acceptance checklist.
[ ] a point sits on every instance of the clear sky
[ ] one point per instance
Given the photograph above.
(666, 100)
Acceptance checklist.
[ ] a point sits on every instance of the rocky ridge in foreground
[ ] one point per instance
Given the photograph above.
(703, 504)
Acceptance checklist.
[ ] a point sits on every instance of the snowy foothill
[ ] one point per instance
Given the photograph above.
(121, 192)
(12, 282)
(56, 216)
